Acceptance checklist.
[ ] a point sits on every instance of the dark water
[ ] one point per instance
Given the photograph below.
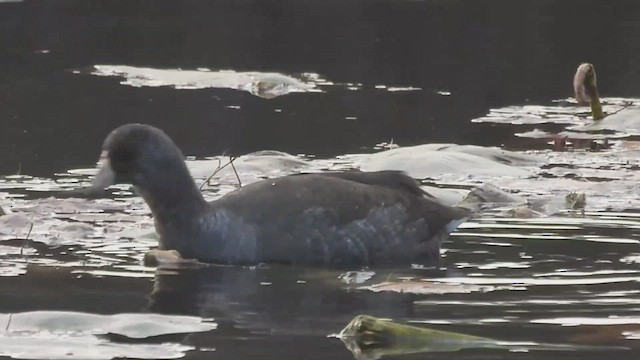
(487, 54)
(565, 279)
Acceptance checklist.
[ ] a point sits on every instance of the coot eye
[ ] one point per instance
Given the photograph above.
(121, 159)
(120, 155)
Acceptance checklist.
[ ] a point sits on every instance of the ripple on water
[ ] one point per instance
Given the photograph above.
(564, 267)
(575, 321)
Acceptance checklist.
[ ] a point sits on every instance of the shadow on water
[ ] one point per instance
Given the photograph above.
(267, 301)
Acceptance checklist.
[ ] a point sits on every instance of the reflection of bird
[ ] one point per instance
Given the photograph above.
(274, 300)
(340, 218)
(585, 87)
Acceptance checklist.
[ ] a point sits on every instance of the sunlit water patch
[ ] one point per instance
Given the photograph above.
(266, 85)
(73, 335)
(565, 111)
(568, 124)
(523, 276)
(70, 232)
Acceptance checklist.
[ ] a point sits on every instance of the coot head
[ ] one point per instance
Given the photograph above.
(138, 154)
(147, 158)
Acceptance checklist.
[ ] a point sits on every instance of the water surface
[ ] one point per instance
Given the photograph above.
(336, 80)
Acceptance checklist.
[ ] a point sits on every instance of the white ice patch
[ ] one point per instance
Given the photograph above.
(451, 160)
(266, 85)
(74, 335)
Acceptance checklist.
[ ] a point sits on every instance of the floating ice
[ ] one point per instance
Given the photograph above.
(266, 85)
(74, 335)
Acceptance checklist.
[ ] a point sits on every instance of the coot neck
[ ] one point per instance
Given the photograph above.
(172, 196)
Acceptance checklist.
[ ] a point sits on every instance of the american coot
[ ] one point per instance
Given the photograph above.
(342, 218)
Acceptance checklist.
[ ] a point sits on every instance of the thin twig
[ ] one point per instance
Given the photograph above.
(216, 171)
(6, 329)
(231, 159)
(24, 244)
(219, 168)
(626, 105)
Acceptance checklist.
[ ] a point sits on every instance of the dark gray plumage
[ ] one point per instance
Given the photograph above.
(342, 218)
